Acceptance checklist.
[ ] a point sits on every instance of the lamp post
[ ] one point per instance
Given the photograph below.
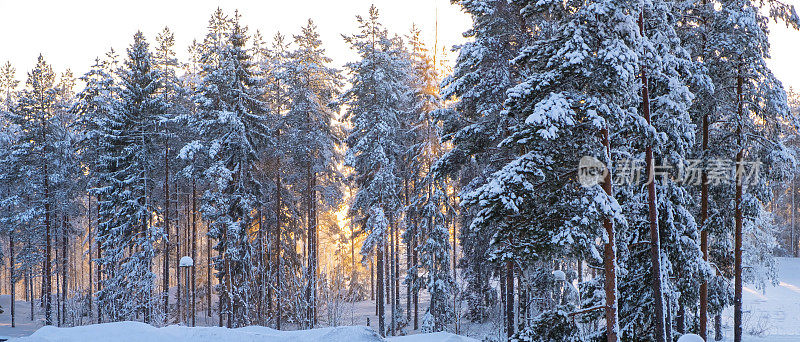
(186, 263)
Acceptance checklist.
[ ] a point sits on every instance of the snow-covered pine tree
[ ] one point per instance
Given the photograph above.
(93, 107)
(125, 232)
(667, 66)
(375, 103)
(751, 101)
(540, 210)
(32, 165)
(478, 84)
(425, 219)
(286, 209)
(172, 135)
(9, 191)
(312, 119)
(232, 123)
(67, 184)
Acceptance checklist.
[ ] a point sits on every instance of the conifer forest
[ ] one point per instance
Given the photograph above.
(593, 170)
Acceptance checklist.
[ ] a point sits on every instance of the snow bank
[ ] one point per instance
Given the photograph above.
(433, 337)
(690, 338)
(137, 332)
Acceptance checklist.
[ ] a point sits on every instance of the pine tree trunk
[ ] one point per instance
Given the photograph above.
(503, 298)
(208, 272)
(704, 234)
(194, 250)
(408, 253)
(396, 269)
(610, 257)
(11, 276)
(668, 319)
(91, 269)
(48, 319)
(57, 270)
(737, 288)
(99, 272)
(380, 289)
(64, 263)
(311, 247)
(29, 290)
(392, 300)
(166, 239)
(704, 212)
(655, 244)
(178, 255)
(261, 266)
(387, 272)
(278, 247)
(509, 274)
(415, 291)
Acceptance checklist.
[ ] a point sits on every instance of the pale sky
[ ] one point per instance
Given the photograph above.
(71, 33)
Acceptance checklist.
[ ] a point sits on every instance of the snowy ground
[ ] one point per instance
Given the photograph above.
(135, 332)
(774, 314)
(771, 315)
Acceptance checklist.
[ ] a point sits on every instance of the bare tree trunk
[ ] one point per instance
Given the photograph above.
(11, 276)
(278, 247)
(178, 254)
(655, 244)
(64, 263)
(392, 301)
(208, 272)
(48, 319)
(704, 234)
(311, 247)
(610, 257)
(396, 269)
(194, 250)
(409, 238)
(29, 290)
(668, 319)
(509, 274)
(415, 290)
(261, 266)
(99, 273)
(166, 239)
(57, 270)
(91, 269)
(380, 289)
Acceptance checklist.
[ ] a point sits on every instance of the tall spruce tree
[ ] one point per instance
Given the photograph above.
(125, 233)
(232, 122)
(478, 85)
(375, 103)
(312, 88)
(34, 150)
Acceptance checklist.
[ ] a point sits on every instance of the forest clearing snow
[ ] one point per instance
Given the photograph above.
(136, 332)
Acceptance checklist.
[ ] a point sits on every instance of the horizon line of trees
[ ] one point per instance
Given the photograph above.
(243, 156)
(238, 158)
